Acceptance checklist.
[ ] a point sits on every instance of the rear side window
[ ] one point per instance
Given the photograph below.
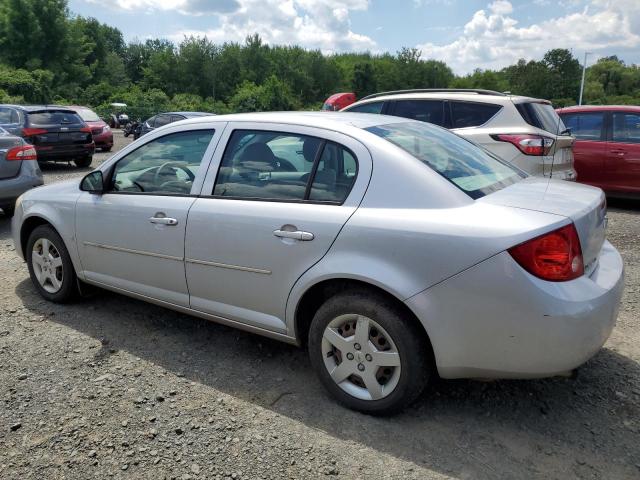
(431, 111)
(88, 115)
(541, 115)
(285, 167)
(162, 120)
(54, 118)
(372, 107)
(585, 126)
(9, 115)
(626, 127)
(473, 170)
(468, 114)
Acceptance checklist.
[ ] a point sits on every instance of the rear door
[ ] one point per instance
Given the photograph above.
(57, 129)
(623, 158)
(590, 148)
(277, 198)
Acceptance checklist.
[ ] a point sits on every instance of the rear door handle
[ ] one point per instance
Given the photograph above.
(295, 235)
(160, 219)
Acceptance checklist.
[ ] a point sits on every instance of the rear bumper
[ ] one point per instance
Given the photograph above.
(104, 140)
(64, 152)
(11, 188)
(495, 320)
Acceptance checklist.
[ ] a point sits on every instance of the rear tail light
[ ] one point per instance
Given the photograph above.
(26, 152)
(30, 132)
(528, 144)
(554, 256)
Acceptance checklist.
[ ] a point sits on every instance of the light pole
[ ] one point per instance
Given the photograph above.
(584, 70)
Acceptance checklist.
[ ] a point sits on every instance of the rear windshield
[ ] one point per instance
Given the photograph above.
(88, 115)
(472, 169)
(541, 115)
(54, 118)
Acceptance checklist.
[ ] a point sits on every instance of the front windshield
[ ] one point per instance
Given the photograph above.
(472, 169)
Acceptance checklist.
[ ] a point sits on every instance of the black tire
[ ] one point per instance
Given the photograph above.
(83, 162)
(69, 289)
(106, 149)
(8, 209)
(410, 341)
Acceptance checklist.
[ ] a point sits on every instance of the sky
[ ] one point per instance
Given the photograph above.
(466, 34)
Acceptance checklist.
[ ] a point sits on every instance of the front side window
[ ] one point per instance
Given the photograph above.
(626, 127)
(166, 165)
(371, 107)
(584, 126)
(472, 169)
(431, 111)
(284, 167)
(469, 114)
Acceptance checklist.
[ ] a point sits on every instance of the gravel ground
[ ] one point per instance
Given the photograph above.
(110, 387)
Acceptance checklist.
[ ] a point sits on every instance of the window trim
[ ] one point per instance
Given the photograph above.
(112, 168)
(312, 172)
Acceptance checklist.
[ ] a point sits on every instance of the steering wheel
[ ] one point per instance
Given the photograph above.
(175, 165)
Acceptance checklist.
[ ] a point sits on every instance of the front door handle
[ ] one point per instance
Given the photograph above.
(619, 152)
(295, 235)
(161, 219)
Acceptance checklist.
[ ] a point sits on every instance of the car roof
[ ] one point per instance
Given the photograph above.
(328, 120)
(336, 96)
(462, 95)
(188, 114)
(599, 108)
(40, 108)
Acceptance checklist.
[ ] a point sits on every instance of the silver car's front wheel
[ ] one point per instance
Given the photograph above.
(361, 357)
(47, 265)
(50, 265)
(369, 351)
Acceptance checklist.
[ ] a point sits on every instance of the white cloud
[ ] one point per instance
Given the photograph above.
(492, 38)
(322, 24)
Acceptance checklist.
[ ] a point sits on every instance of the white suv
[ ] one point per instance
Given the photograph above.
(525, 132)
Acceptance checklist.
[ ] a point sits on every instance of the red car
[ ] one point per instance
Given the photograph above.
(102, 134)
(338, 101)
(607, 147)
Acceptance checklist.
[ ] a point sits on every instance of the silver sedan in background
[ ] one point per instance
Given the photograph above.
(393, 249)
(19, 170)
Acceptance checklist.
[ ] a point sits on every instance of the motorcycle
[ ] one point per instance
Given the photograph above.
(131, 128)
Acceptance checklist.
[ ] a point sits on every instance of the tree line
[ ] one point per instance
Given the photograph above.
(48, 55)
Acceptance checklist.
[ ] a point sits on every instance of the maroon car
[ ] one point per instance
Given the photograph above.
(102, 134)
(607, 147)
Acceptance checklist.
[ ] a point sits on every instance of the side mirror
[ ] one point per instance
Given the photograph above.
(93, 183)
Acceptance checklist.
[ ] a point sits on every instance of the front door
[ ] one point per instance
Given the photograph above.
(623, 159)
(132, 236)
(277, 203)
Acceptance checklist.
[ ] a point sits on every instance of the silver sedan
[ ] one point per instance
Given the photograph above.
(392, 249)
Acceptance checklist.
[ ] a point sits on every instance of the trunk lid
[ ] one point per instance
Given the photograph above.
(584, 205)
(9, 168)
(57, 128)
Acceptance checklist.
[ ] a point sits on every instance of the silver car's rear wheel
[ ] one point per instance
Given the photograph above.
(361, 357)
(47, 265)
(369, 351)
